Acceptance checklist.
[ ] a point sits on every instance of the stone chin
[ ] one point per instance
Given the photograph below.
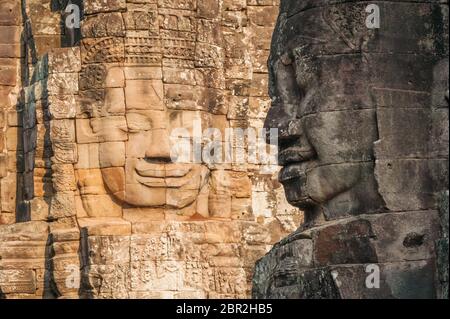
(296, 191)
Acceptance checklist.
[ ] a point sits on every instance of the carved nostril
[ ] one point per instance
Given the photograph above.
(413, 240)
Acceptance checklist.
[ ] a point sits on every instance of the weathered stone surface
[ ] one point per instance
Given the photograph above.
(63, 60)
(97, 6)
(104, 226)
(442, 248)
(17, 281)
(348, 243)
(284, 273)
(363, 145)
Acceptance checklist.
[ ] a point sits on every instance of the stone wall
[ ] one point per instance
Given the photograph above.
(78, 222)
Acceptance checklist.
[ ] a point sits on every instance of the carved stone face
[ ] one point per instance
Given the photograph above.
(146, 71)
(134, 150)
(325, 147)
(339, 97)
(327, 130)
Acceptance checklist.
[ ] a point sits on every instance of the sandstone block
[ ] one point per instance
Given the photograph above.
(34, 231)
(101, 206)
(85, 132)
(144, 94)
(62, 131)
(63, 177)
(114, 178)
(143, 215)
(104, 226)
(10, 13)
(143, 73)
(222, 232)
(115, 78)
(62, 83)
(338, 244)
(110, 129)
(64, 153)
(62, 106)
(11, 34)
(13, 138)
(97, 6)
(104, 25)
(90, 182)
(62, 205)
(114, 101)
(88, 156)
(8, 75)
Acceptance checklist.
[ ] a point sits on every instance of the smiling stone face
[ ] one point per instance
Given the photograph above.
(134, 148)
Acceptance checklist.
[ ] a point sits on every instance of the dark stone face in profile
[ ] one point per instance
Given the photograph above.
(362, 112)
(363, 123)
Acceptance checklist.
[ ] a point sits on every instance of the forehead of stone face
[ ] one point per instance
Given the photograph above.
(337, 26)
(332, 48)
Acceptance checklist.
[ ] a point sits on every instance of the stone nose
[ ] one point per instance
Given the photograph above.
(159, 147)
(293, 144)
(280, 118)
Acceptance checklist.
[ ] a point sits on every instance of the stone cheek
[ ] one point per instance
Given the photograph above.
(85, 160)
